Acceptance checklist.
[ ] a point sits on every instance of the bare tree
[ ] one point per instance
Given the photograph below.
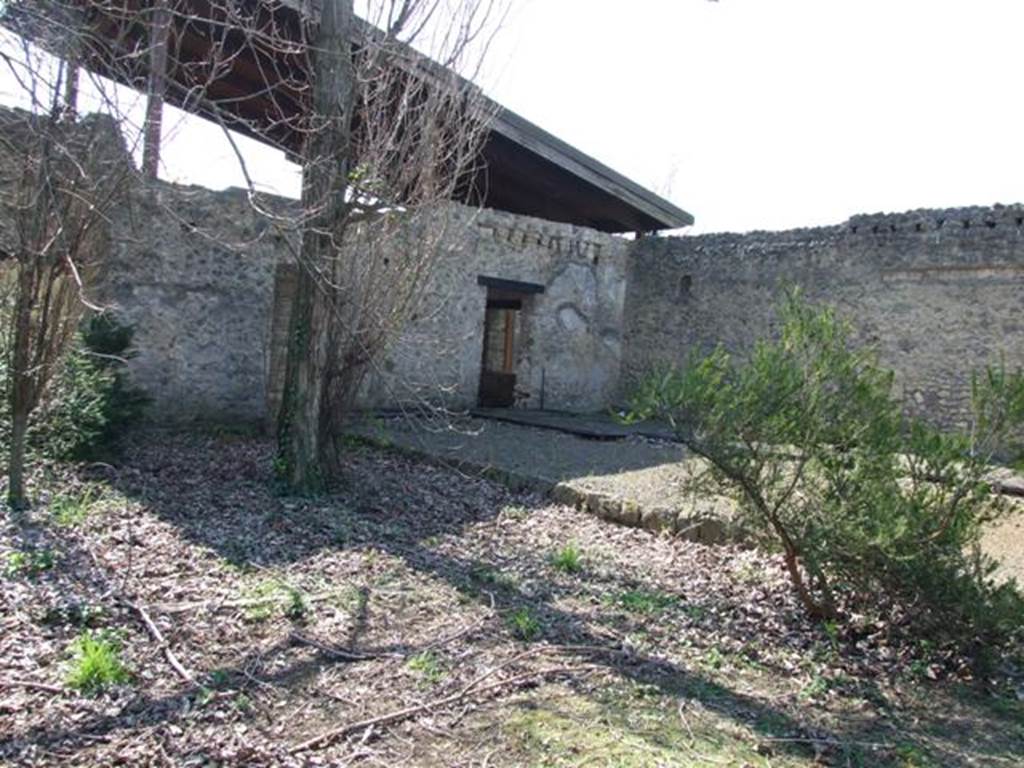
(387, 136)
(304, 421)
(417, 128)
(60, 178)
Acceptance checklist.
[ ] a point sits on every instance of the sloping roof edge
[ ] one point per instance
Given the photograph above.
(555, 150)
(532, 137)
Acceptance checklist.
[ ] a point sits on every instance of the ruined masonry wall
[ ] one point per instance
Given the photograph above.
(569, 344)
(194, 272)
(938, 292)
(568, 340)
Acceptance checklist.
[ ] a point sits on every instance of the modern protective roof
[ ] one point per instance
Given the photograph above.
(524, 169)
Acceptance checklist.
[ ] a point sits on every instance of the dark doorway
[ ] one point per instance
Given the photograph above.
(501, 331)
(498, 373)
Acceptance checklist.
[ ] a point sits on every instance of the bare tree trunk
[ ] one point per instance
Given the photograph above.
(158, 33)
(71, 91)
(304, 444)
(22, 385)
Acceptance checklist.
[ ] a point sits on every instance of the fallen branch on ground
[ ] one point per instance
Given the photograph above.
(345, 654)
(154, 631)
(32, 686)
(408, 712)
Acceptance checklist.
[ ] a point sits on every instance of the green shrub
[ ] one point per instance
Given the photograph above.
(95, 662)
(89, 403)
(807, 435)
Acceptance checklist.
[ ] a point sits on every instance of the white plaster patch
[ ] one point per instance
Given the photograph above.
(571, 319)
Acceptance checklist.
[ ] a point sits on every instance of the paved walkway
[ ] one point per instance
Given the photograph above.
(633, 475)
(615, 472)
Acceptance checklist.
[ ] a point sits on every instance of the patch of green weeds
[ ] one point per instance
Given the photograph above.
(749, 658)
(815, 689)
(427, 666)
(485, 574)
(911, 756)
(279, 466)
(242, 703)
(29, 562)
(353, 600)
(296, 606)
(642, 602)
(569, 559)
(832, 632)
(748, 574)
(204, 696)
(524, 625)
(95, 662)
(714, 658)
(71, 510)
(514, 512)
(272, 596)
(219, 678)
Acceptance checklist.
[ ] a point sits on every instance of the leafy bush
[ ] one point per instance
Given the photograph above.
(887, 512)
(95, 662)
(89, 403)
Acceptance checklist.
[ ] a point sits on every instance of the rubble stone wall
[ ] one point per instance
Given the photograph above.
(939, 292)
(207, 283)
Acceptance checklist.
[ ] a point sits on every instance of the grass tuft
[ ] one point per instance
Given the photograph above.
(427, 666)
(524, 625)
(29, 562)
(95, 662)
(271, 597)
(643, 602)
(71, 510)
(569, 559)
(514, 512)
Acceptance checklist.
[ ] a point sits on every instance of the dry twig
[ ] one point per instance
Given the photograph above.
(32, 685)
(408, 712)
(154, 631)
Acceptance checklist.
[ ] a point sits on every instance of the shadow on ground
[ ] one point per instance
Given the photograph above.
(219, 495)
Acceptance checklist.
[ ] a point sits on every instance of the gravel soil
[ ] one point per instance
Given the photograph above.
(420, 616)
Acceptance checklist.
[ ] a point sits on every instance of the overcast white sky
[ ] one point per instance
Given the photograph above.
(750, 114)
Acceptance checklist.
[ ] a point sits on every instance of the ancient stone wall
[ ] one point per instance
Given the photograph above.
(568, 339)
(939, 292)
(569, 346)
(207, 284)
(192, 271)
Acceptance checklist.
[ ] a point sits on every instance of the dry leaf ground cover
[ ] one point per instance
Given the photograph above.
(422, 617)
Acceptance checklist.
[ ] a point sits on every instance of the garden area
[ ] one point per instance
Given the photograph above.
(179, 610)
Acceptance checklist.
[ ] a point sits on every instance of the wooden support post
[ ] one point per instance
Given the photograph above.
(159, 29)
